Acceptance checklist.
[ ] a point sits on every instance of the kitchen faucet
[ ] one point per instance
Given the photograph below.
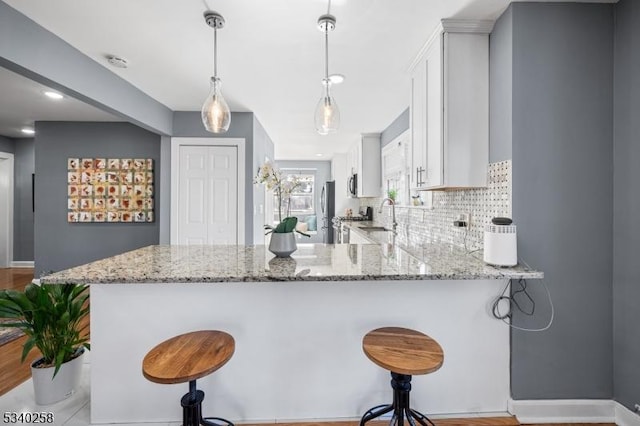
(392, 203)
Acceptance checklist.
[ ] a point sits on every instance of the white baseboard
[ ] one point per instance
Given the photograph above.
(22, 264)
(573, 411)
(626, 417)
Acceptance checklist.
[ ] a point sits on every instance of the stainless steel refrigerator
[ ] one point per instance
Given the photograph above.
(328, 210)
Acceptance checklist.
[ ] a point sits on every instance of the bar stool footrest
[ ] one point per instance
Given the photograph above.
(403, 414)
(215, 421)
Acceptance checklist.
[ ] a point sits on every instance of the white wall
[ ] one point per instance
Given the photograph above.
(339, 174)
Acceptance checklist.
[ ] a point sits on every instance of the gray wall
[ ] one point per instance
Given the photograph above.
(6, 145)
(24, 166)
(165, 190)
(399, 125)
(30, 50)
(59, 244)
(562, 196)
(626, 204)
(501, 87)
(262, 148)
(323, 174)
(188, 124)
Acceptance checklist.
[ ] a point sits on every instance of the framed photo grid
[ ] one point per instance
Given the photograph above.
(110, 190)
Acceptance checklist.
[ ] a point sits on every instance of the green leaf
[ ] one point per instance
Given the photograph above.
(32, 292)
(288, 224)
(50, 316)
(28, 345)
(59, 362)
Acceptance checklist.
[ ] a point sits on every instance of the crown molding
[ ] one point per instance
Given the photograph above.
(475, 26)
(468, 26)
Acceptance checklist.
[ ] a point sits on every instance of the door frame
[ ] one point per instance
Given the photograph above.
(7, 169)
(176, 143)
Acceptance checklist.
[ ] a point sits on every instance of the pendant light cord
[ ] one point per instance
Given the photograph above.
(326, 53)
(215, 52)
(329, 8)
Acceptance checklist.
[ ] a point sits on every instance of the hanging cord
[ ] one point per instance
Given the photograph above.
(329, 8)
(326, 55)
(215, 51)
(504, 317)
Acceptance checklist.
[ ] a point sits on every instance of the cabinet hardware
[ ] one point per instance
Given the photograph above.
(419, 171)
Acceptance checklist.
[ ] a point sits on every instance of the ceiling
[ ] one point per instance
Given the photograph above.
(269, 56)
(23, 102)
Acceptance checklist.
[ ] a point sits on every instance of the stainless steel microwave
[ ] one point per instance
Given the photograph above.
(352, 185)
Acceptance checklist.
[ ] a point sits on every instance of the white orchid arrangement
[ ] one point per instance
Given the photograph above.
(272, 177)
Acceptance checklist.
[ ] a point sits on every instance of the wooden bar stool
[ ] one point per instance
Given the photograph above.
(404, 353)
(186, 358)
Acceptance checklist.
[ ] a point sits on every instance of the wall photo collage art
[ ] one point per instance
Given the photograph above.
(110, 190)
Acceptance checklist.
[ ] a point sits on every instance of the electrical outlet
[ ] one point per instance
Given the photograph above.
(462, 221)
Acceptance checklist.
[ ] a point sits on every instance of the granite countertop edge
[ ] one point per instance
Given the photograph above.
(269, 279)
(311, 263)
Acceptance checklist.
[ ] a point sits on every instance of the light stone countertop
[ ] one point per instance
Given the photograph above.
(311, 262)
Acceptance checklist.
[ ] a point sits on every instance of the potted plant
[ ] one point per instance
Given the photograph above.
(50, 316)
(283, 242)
(392, 194)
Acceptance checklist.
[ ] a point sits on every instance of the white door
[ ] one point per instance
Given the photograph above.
(6, 209)
(208, 195)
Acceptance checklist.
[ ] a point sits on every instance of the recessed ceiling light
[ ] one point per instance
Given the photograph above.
(336, 78)
(319, 155)
(117, 61)
(53, 95)
(28, 131)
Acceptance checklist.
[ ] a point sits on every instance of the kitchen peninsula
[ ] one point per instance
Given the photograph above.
(298, 325)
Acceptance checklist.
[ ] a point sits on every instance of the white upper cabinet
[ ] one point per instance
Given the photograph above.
(450, 107)
(418, 125)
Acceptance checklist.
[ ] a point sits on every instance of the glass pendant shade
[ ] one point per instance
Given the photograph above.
(216, 115)
(327, 116)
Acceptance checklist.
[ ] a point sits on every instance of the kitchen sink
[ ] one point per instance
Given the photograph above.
(373, 228)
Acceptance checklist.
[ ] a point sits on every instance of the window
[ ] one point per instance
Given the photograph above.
(395, 159)
(302, 200)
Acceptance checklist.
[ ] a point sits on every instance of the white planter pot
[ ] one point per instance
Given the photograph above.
(48, 391)
(282, 244)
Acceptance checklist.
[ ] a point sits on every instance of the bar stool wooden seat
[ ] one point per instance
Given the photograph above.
(186, 358)
(404, 352)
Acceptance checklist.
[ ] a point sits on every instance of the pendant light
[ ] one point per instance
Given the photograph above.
(327, 116)
(216, 115)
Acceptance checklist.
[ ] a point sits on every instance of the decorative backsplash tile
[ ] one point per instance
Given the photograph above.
(420, 226)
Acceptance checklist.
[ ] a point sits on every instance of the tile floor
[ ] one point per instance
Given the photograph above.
(73, 411)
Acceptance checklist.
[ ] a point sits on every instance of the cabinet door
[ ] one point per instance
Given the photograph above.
(358, 161)
(369, 180)
(356, 238)
(435, 106)
(418, 116)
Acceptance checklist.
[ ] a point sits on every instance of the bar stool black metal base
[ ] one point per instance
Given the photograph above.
(401, 384)
(192, 409)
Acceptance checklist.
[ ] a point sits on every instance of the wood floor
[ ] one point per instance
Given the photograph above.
(15, 278)
(12, 371)
(482, 421)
